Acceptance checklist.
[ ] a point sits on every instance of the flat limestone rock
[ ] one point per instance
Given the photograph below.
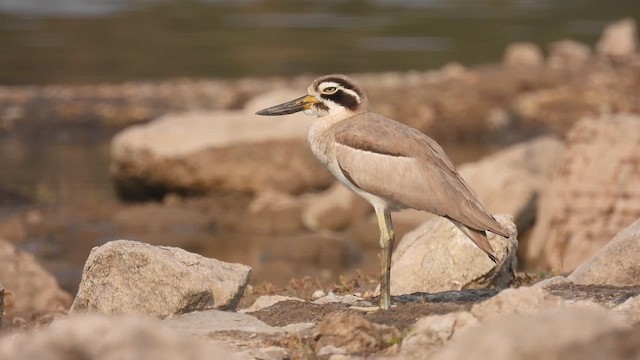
(131, 277)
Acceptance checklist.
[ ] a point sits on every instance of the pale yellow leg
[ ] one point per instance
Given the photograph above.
(387, 237)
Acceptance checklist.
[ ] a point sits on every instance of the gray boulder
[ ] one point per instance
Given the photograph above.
(132, 277)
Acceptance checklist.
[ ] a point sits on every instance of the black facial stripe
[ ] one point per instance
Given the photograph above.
(343, 98)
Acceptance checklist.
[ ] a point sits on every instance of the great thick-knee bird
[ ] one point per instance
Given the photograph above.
(389, 164)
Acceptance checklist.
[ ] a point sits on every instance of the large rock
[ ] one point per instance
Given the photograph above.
(619, 40)
(29, 286)
(131, 277)
(545, 336)
(510, 181)
(617, 263)
(593, 194)
(97, 337)
(201, 152)
(438, 257)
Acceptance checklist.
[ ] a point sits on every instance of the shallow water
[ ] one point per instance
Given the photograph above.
(87, 41)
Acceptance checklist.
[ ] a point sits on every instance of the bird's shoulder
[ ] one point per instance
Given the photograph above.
(378, 134)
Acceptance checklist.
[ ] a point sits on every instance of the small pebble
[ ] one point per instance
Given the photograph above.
(318, 294)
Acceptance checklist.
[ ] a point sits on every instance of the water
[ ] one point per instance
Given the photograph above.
(89, 41)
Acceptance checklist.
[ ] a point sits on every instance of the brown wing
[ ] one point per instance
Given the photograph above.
(415, 170)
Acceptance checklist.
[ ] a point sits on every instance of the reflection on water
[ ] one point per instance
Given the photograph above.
(65, 41)
(57, 170)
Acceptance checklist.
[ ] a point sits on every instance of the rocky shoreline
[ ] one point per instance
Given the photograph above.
(195, 148)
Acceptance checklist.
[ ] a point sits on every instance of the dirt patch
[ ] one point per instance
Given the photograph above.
(407, 308)
(292, 312)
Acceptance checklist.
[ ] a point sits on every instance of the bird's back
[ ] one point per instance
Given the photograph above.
(416, 171)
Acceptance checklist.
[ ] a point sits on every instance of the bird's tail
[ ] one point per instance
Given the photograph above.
(479, 238)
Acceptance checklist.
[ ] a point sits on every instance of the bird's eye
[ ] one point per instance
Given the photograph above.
(329, 90)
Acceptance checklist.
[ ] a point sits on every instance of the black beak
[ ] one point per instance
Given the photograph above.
(290, 107)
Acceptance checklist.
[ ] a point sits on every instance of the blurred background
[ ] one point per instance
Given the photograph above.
(92, 41)
(68, 68)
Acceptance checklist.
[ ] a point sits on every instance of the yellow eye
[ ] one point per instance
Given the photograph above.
(329, 90)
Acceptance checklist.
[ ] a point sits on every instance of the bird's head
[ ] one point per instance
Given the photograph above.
(332, 95)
